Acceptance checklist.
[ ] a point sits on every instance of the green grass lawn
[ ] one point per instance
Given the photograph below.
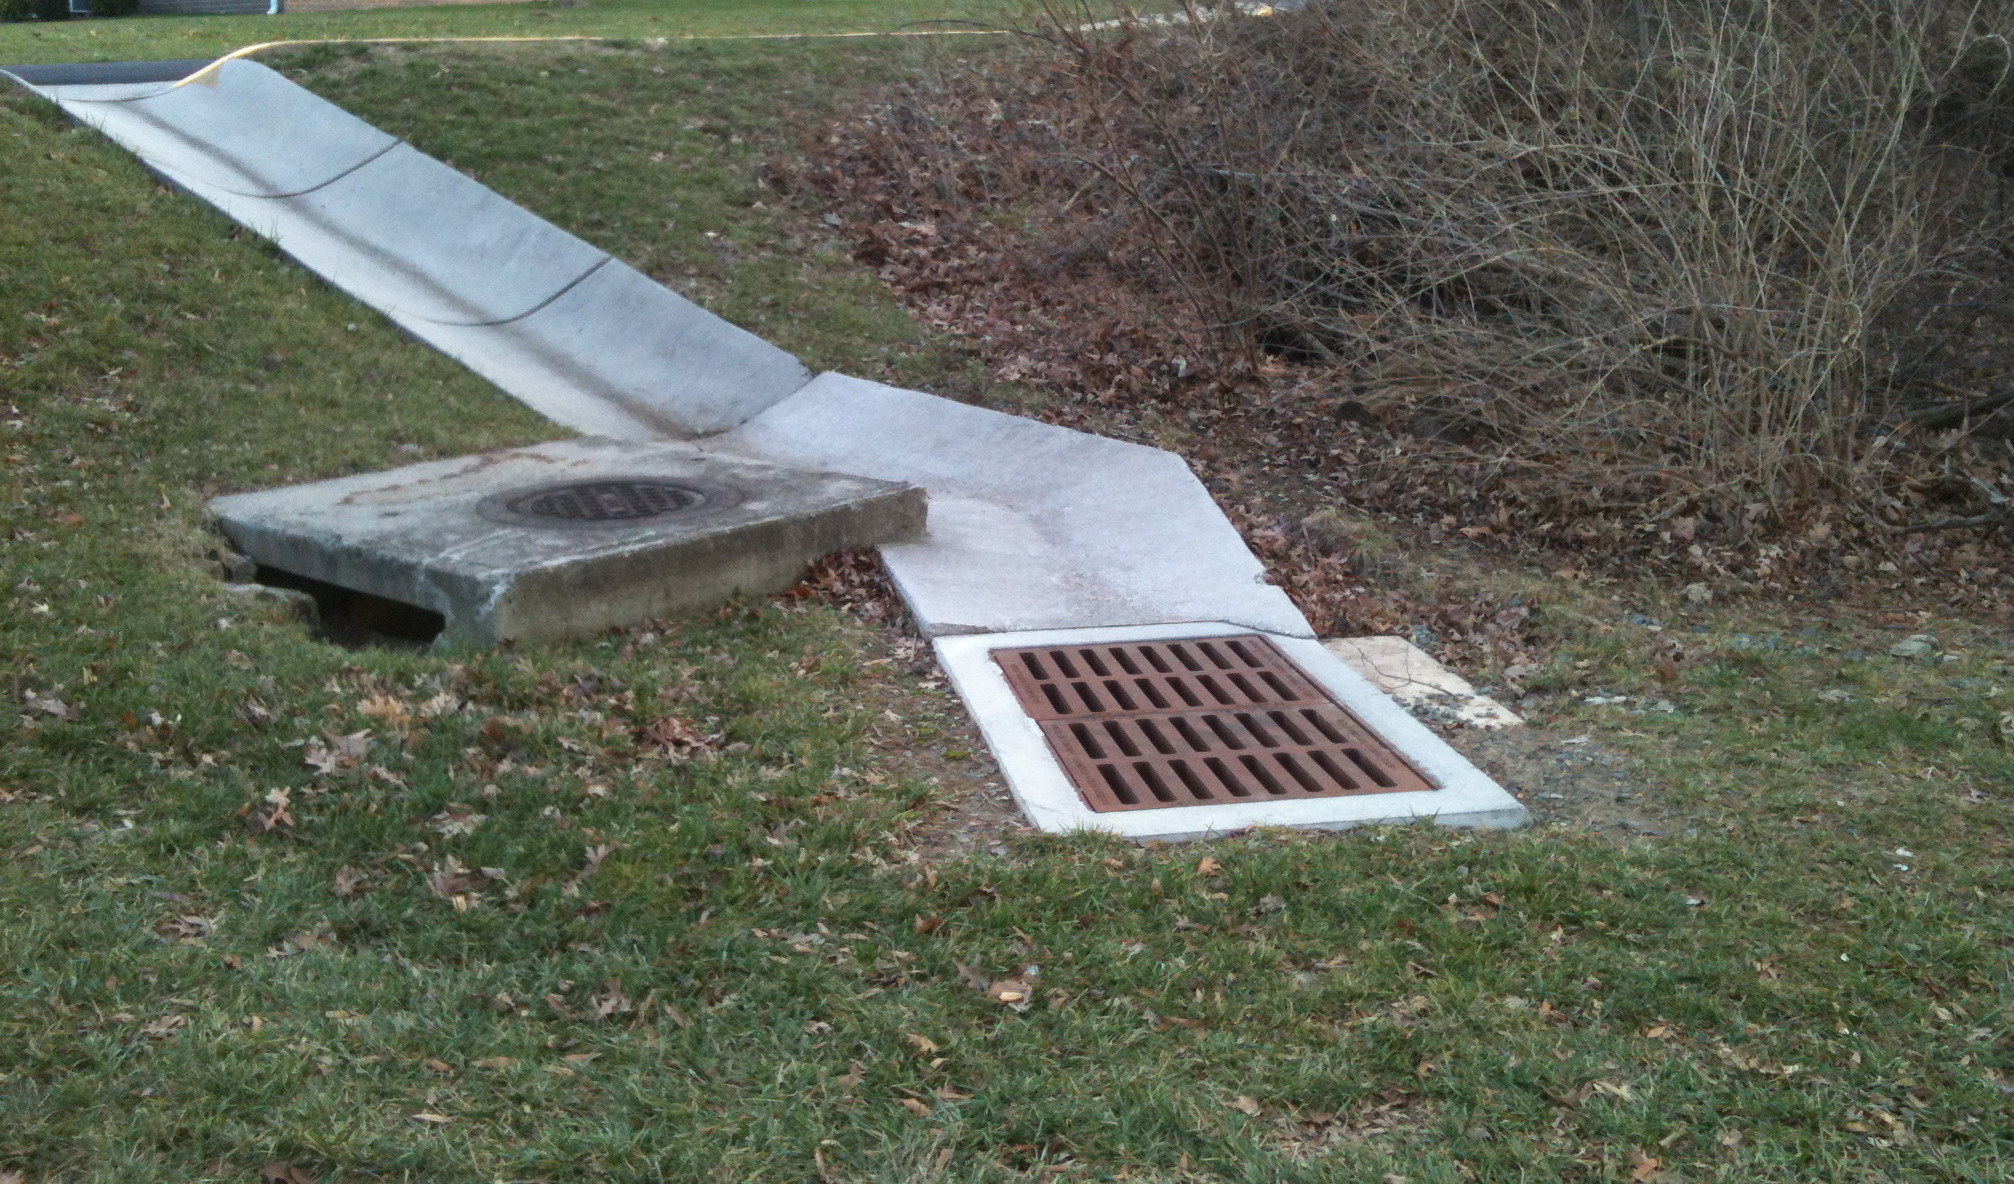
(453, 916)
(157, 37)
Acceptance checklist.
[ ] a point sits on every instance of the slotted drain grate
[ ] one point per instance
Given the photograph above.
(607, 502)
(1209, 721)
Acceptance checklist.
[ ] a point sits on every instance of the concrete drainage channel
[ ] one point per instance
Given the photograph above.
(1192, 698)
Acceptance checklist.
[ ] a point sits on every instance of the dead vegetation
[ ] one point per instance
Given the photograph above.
(1717, 288)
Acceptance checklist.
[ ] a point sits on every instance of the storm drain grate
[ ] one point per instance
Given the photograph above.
(1209, 721)
(606, 502)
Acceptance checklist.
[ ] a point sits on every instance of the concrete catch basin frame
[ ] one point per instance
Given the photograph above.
(569, 538)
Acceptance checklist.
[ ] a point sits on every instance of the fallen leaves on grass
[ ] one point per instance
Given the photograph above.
(188, 927)
(915, 1107)
(1246, 1105)
(1011, 992)
(1392, 1112)
(430, 1119)
(277, 1172)
(334, 754)
(309, 942)
(164, 1028)
(923, 1045)
(610, 1002)
(392, 713)
(456, 821)
(47, 704)
(677, 738)
(1644, 1168)
(350, 882)
(268, 814)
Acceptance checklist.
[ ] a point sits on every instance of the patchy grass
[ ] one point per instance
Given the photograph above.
(520, 935)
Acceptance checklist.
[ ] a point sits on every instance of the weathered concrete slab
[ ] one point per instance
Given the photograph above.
(465, 537)
(548, 318)
(253, 137)
(1408, 674)
(1465, 796)
(1032, 526)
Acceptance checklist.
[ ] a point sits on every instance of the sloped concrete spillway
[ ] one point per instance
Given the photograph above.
(1037, 534)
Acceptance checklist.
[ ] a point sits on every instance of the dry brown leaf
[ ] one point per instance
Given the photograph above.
(271, 813)
(430, 1119)
(1207, 866)
(971, 977)
(929, 925)
(497, 1063)
(611, 1001)
(923, 1044)
(435, 1065)
(333, 754)
(1010, 991)
(387, 710)
(349, 882)
(1643, 1168)
(186, 928)
(1248, 1106)
(678, 738)
(915, 1107)
(277, 1172)
(165, 1027)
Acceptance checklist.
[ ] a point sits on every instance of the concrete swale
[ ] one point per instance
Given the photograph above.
(1037, 534)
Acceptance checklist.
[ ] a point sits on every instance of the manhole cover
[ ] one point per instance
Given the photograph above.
(1212, 721)
(605, 502)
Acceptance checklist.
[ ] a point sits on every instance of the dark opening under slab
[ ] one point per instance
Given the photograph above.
(357, 619)
(1206, 721)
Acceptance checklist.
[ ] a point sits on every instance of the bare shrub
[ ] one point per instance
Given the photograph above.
(1671, 247)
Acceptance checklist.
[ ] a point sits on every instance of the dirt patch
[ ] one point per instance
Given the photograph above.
(1569, 778)
(921, 733)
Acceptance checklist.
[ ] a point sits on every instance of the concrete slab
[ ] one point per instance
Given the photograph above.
(556, 540)
(550, 319)
(619, 355)
(1405, 672)
(202, 134)
(1465, 797)
(1032, 526)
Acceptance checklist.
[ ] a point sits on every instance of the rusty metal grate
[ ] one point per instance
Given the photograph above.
(1209, 721)
(607, 501)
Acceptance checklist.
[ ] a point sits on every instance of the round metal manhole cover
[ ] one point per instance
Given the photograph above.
(613, 501)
